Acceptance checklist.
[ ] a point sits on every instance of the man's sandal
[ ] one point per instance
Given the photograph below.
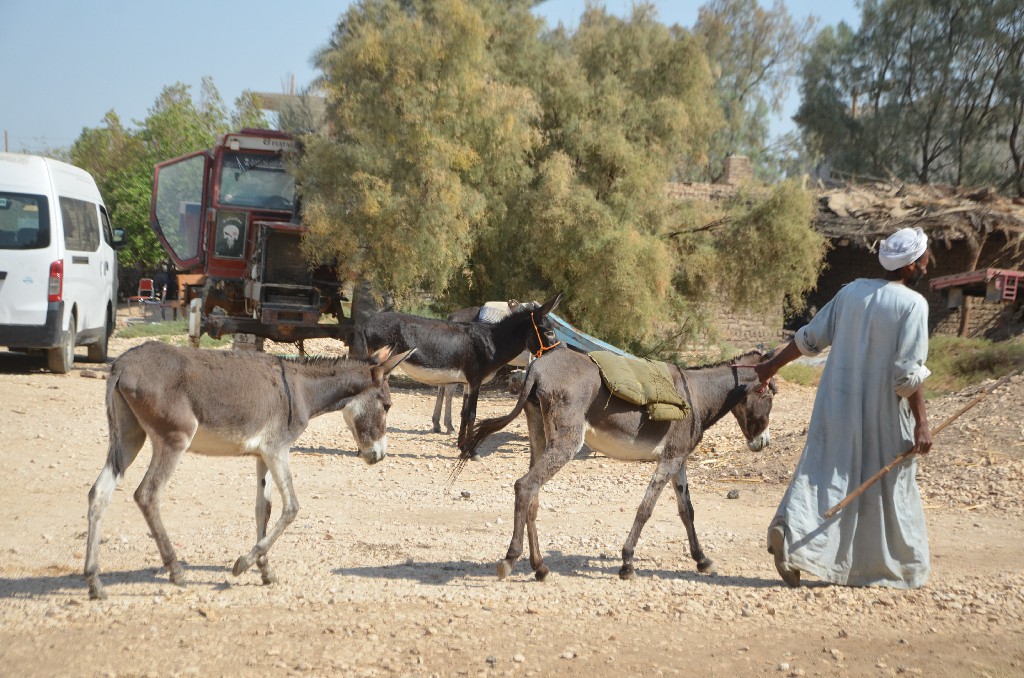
(776, 542)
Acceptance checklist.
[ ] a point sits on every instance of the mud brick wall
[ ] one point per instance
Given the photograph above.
(703, 192)
(746, 331)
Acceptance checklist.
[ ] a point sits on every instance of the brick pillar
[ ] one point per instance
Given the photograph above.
(737, 170)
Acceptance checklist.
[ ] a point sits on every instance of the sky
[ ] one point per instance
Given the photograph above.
(66, 63)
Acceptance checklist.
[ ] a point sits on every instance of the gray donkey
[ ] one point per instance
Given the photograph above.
(567, 403)
(225, 403)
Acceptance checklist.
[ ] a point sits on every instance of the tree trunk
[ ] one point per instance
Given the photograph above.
(965, 316)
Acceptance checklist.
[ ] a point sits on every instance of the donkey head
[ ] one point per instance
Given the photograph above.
(542, 335)
(755, 405)
(366, 413)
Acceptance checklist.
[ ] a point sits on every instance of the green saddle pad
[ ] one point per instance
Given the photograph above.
(645, 383)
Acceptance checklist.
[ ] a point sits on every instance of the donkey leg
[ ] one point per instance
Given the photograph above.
(469, 398)
(125, 444)
(277, 463)
(543, 467)
(538, 443)
(436, 418)
(685, 506)
(264, 504)
(167, 451)
(662, 472)
(449, 393)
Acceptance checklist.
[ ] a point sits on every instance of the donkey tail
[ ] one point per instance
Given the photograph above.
(482, 429)
(117, 408)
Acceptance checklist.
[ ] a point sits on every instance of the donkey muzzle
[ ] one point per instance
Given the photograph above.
(760, 441)
(375, 452)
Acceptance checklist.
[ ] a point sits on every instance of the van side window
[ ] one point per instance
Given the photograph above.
(81, 224)
(108, 233)
(24, 221)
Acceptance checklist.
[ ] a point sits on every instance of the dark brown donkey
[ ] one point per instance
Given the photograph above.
(567, 404)
(225, 403)
(468, 353)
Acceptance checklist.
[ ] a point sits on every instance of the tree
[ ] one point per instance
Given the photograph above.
(754, 53)
(427, 138)
(474, 155)
(924, 89)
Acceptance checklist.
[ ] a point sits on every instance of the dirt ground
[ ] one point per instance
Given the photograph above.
(386, 573)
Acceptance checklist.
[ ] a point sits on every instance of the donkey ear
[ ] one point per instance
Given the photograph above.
(551, 304)
(380, 355)
(393, 362)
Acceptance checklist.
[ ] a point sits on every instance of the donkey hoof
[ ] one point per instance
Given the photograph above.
(504, 569)
(176, 574)
(96, 591)
(269, 577)
(542, 573)
(707, 566)
(241, 565)
(627, 573)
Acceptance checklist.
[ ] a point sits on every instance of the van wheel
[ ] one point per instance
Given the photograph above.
(61, 359)
(98, 351)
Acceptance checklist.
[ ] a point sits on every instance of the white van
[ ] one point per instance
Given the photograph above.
(58, 269)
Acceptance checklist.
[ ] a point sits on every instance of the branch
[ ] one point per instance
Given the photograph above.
(700, 229)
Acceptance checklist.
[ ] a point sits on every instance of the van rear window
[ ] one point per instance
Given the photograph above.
(24, 221)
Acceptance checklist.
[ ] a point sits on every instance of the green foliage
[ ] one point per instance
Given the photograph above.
(758, 253)
(160, 329)
(798, 373)
(427, 143)
(769, 250)
(170, 332)
(928, 90)
(474, 156)
(122, 159)
(958, 362)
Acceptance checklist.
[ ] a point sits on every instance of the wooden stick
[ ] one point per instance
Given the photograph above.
(901, 458)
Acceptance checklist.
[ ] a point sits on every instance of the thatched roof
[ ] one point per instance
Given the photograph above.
(866, 213)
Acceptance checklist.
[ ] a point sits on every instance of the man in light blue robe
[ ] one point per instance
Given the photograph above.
(869, 408)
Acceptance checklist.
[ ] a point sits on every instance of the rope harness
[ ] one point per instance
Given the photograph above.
(540, 341)
(761, 390)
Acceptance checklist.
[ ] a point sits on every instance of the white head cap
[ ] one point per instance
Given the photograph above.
(902, 248)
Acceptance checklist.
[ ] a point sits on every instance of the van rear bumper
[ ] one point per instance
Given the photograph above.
(48, 335)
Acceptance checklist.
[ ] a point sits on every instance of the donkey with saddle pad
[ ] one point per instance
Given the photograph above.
(225, 403)
(491, 312)
(467, 353)
(567, 403)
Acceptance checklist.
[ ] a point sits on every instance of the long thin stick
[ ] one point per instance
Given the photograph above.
(898, 460)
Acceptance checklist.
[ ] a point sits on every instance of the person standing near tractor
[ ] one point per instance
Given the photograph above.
(869, 408)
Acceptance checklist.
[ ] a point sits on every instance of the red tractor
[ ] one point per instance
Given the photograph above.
(228, 217)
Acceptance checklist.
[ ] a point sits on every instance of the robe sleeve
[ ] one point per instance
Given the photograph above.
(912, 351)
(817, 335)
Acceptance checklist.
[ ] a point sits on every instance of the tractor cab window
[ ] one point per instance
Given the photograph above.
(256, 180)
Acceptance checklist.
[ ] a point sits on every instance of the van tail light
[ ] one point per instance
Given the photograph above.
(55, 288)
